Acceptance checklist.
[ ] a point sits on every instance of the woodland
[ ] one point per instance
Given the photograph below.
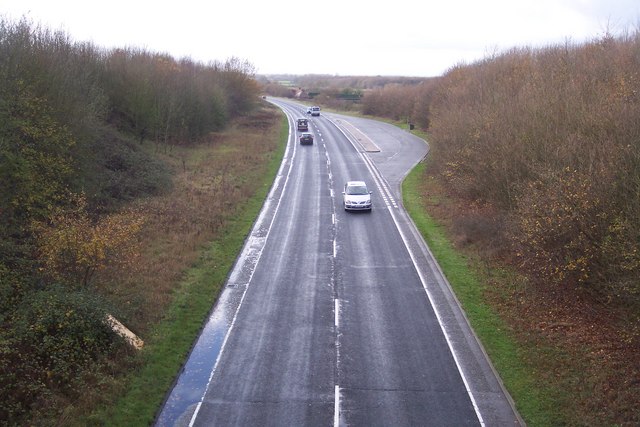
(534, 169)
(87, 137)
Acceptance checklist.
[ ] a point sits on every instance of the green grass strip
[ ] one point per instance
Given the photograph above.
(171, 342)
(467, 283)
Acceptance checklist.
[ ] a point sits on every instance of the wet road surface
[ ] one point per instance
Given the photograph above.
(338, 318)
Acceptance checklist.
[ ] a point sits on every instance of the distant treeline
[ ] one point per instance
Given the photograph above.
(72, 120)
(314, 82)
(542, 144)
(544, 147)
(347, 92)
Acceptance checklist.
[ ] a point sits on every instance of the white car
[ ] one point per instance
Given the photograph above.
(315, 111)
(356, 196)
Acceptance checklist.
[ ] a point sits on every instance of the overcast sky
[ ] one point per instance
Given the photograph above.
(341, 37)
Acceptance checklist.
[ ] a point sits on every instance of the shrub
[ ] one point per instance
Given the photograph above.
(409, 101)
(116, 171)
(59, 102)
(54, 336)
(561, 225)
(550, 138)
(73, 247)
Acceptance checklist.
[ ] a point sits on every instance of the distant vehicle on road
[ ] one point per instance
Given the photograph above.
(303, 124)
(306, 138)
(315, 111)
(356, 196)
(309, 110)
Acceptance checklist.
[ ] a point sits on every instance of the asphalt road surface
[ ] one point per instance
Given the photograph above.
(338, 318)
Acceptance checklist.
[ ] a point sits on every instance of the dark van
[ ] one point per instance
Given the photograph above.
(303, 125)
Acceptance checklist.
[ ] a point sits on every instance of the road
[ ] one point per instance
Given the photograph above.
(337, 318)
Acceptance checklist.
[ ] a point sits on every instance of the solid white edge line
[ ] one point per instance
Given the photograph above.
(439, 317)
(193, 419)
(377, 177)
(244, 293)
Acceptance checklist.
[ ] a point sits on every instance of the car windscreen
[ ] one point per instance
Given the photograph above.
(357, 190)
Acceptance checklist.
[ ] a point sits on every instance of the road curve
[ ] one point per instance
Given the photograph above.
(338, 318)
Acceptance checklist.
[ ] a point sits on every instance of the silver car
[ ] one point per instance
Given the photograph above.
(356, 196)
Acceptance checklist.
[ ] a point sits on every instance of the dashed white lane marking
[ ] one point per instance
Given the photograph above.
(390, 201)
(336, 397)
(336, 407)
(285, 170)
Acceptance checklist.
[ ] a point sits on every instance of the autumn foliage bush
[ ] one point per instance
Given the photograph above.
(73, 246)
(401, 101)
(549, 140)
(551, 137)
(538, 152)
(75, 126)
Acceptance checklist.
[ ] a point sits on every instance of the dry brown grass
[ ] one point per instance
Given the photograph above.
(210, 181)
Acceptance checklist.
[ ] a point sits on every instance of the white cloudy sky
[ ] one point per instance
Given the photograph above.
(343, 37)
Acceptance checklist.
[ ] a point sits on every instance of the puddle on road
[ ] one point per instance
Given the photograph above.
(192, 382)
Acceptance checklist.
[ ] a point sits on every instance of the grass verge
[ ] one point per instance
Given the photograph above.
(466, 278)
(469, 279)
(565, 357)
(172, 338)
